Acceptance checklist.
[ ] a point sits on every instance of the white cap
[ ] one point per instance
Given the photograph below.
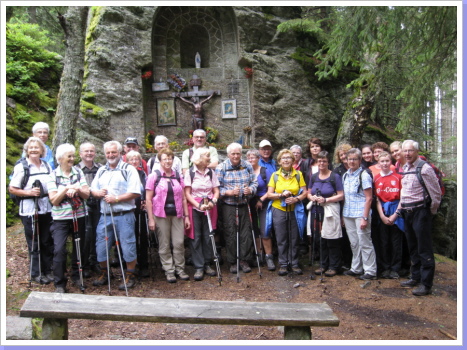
(264, 143)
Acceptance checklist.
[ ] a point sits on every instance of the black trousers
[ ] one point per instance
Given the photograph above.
(141, 234)
(230, 233)
(418, 230)
(331, 254)
(200, 245)
(60, 231)
(89, 252)
(41, 234)
(391, 247)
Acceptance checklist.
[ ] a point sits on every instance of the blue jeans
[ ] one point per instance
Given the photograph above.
(125, 232)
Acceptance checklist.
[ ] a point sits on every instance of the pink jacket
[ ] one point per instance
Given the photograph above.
(160, 194)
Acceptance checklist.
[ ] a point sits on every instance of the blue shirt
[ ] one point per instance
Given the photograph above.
(354, 198)
(271, 165)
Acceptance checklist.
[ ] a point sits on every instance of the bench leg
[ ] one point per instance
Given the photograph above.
(297, 333)
(55, 329)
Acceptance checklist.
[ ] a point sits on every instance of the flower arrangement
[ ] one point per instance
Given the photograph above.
(248, 72)
(177, 82)
(150, 141)
(211, 134)
(147, 75)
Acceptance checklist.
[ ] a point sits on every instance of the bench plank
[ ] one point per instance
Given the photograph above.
(117, 308)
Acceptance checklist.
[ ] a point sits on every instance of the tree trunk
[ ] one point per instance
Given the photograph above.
(355, 120)
(74, 25)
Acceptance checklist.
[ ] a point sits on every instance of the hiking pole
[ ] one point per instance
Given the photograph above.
(254, 240)
(238, 239)
(74, 207)
(289, 238)
(312, 237)
(213, 243)
(261, 247)
(117, 246)
(107, 250)
(318, 225)
(35, 231)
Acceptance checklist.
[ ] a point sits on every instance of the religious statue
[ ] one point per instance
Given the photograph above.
(198, 115)
(197, 60)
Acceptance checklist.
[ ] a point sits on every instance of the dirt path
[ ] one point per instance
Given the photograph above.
(379, 310)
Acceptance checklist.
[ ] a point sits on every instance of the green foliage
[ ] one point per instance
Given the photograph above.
(30, 69)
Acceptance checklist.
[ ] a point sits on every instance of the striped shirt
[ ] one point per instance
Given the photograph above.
(354, 198)
(64, 211)
(231, 177)
(412, 189)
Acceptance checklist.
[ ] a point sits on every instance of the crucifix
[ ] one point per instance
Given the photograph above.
(198, 115)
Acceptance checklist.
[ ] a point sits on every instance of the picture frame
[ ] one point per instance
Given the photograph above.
(166, 115)
(160, 87)
(229, 109)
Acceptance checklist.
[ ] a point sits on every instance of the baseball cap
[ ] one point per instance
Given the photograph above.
(264, 143)
(131, 140)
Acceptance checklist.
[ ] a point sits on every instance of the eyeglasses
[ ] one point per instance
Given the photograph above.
(199, 137)
(167, 160)
(408, 151)
(353, 159)
(286, 158)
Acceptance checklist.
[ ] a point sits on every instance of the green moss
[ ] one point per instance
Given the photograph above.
(96, 14)
(90, 110)
(37, 328)
(88, 96)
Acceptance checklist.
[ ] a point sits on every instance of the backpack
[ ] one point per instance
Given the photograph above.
(418, 172)
(262, 173)
(297, 176)
(332, 180)
(360, 187)
(159, 176)
(192, 174)
(26, 177)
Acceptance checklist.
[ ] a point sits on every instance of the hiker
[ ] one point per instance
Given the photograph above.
(167, 209)
(237, 183)
(266, 160)
(325, 192)
(116, 185)
(87, 152)
(199, 140)
(419, 202)
(286, 190)
(358, 195)
(41, 130)
(160, 142)
(40, 244)
(67, 191)
(201, 182)
(131, 144)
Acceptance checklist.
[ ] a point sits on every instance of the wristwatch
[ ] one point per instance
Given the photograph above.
(365, 218)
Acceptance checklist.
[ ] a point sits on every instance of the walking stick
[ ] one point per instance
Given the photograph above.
(75, 203)
(150, 245)
(254, 240)
(318, 225)
(213, 243)
(289, 238)
(238, 239)
(117, 244)
(312, 237)
(35, 231)
(107, 250)
(261, 247)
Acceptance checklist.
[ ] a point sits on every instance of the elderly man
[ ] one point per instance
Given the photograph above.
(154, 163)
(199, 140)
(420, 199)
(117, 185)
(87, 152)
(131, 144)
(265, 151)
(42, 131)
(237, 184)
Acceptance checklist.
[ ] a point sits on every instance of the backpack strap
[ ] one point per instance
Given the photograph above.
(151, 163)
(160, 176)
(262, 172)
(332, 180)
(192, 174)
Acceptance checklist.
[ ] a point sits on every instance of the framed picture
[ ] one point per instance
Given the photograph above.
(229, 109)
(166, 112)
(160, 87)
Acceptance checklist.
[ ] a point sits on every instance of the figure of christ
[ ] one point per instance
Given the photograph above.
(198, 118)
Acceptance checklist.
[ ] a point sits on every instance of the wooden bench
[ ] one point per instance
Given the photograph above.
(56, 309)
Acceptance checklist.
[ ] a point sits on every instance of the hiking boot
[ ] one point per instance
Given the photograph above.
(410, 283)
(41, 279)
(283, 271)
(76, 281)
(114, 263)
(50, 276)
(296, 270)
(270, 262)
(60, 289)
(351, 273)
(209, 271)
(183, 275)
(102, 279)
(421, 290)
(233, 268)
(244, 266)
(320, 270)
(199, 275)
(130, 281)
(385, 274)
(393, 275)
(330, 273)
(171, 277)
(367, 276)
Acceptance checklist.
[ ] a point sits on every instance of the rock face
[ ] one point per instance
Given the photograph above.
(278, 101)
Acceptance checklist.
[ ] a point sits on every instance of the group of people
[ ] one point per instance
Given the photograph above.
(355, 216)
